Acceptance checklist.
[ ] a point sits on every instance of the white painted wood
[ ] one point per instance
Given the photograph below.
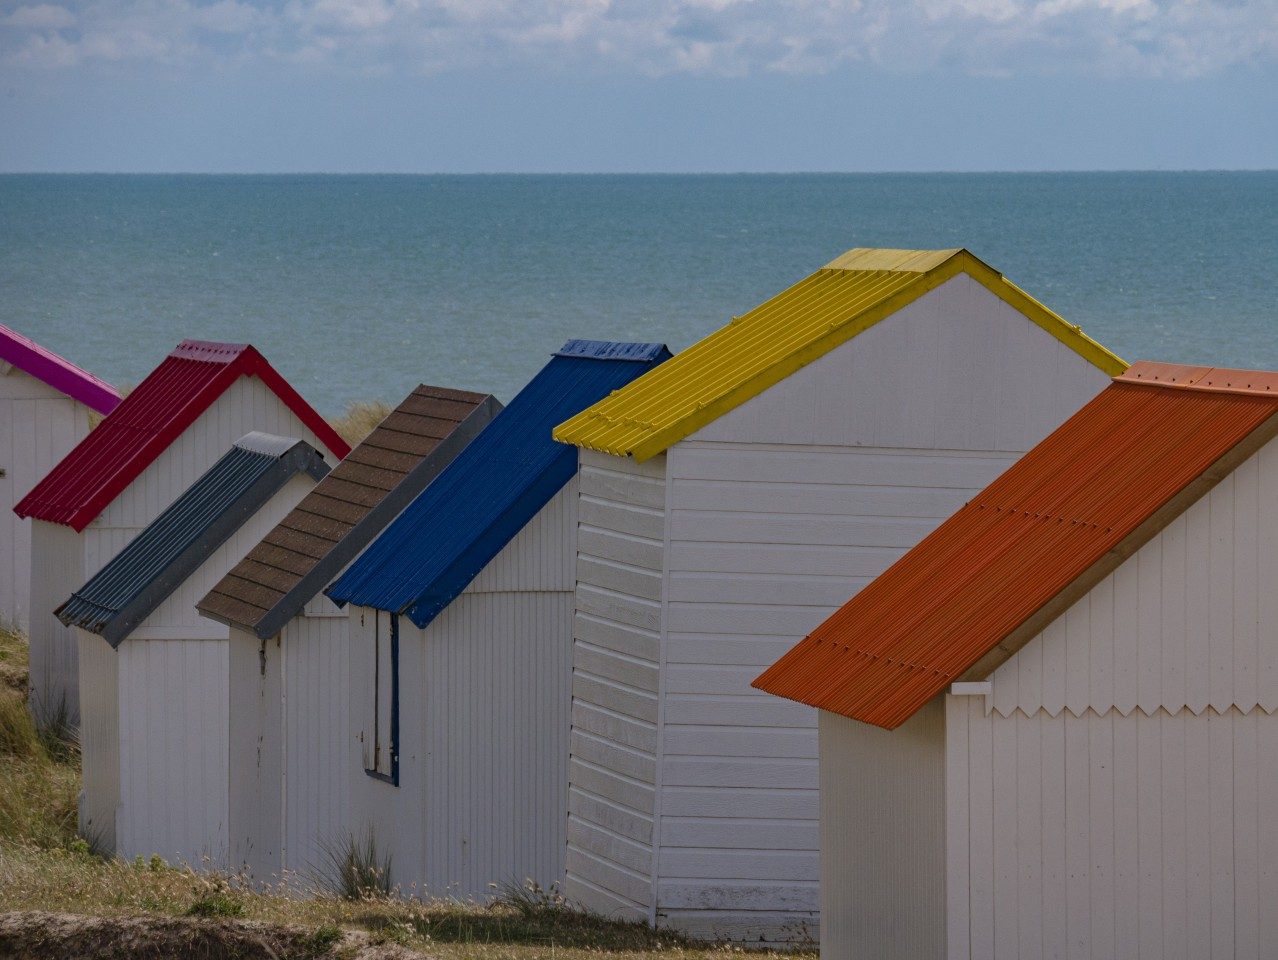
(616, 662)
(484, 724)
(38, 427)
(173, 703)
(245, 406)
(773, 515)
(1180, 857)
(883, 890)
(1178, 626)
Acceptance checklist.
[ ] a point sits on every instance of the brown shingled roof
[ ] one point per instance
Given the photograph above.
(348, 508)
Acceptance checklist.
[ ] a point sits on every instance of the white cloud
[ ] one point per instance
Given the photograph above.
(42, 17)
(656, 37)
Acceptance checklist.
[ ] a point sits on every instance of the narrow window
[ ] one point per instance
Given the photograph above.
(385, 726)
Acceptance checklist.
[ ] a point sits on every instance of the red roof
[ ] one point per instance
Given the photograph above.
(155, 414)
(996, 573)
(58, 372)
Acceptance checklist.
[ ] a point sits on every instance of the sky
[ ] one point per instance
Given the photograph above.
(474, 86)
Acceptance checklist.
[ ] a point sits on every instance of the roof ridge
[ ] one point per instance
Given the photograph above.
(20, 351)
(1177, 376)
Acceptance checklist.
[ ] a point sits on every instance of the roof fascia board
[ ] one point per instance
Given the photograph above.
(487, 546)
(128, 472)
(1053, 323)
(6, 368)
(405, 492)
(298, 460)
(669, 436)
(1039, 621)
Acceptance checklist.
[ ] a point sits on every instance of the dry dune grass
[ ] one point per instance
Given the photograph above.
(360, 418)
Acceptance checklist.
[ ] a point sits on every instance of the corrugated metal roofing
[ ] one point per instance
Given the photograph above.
(349, 507)
(155, 414)
(486, 496)
(61, 374)
(1013, 559)
(772, 341)
(121, 595)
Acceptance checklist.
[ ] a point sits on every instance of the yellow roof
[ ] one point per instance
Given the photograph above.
(772, 341)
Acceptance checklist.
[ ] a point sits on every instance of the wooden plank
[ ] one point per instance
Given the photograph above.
(1149, 627)
(1221, 831)
(983, 867)
(1053, 784)
(1198, 883)
(1126, 839)
(1078, 839)
(1028, 839)
(1149, 839)
(1174, 830)
(1006, 876)
(1246, 839)
(958, 906)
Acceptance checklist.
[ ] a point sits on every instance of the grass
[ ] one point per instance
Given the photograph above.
(45, 867)
(360, 418)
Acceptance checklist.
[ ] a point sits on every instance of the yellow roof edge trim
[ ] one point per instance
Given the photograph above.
(606, 429)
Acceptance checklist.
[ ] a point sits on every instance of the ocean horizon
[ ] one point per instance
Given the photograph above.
(359, 286)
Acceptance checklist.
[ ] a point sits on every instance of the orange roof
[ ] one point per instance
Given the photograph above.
(1062, 518)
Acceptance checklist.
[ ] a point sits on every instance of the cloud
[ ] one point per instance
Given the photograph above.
(1149, 38)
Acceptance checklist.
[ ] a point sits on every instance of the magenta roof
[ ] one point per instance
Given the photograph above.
(29, 357)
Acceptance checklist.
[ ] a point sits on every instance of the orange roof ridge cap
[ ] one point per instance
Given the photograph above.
(1179, 376)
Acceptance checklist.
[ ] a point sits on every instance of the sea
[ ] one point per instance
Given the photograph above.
(360, 287)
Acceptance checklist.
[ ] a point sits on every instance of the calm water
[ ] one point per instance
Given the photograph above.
(360, 287)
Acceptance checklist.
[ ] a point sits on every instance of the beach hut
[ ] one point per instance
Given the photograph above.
(153, 446)
(154, 680)
(45, 406)
(289, 682)
(1049, 730)
(730, 501)
(461, 645)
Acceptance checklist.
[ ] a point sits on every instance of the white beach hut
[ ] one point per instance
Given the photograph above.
(152, 447)
(461, 645)
(289, 684)
(730, 501)
(45, 406)
(1050, 730)
(154, 694)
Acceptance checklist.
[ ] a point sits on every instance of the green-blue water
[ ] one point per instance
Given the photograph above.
(362, 286)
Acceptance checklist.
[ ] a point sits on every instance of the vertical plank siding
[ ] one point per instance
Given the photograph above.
(174, 700)
(316, 788)
(1160, 844)
(38, 427)
(483, 720)
(883, 815)
(616, 656)
(71, 558)
(779, 511)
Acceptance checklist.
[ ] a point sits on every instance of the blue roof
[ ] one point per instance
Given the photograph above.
(446, 536)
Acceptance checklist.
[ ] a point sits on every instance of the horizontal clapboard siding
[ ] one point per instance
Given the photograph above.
(616, 662)
(1112, 836)
(1190, 621)
(779, 512)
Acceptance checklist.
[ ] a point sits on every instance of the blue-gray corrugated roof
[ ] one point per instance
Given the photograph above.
(124, 592)
(446, 536)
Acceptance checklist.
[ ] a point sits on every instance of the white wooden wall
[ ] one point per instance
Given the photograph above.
(316, 719)
(484, 704)
(38, 427)
(255, 748)
(781, 510)
(1116, 795)
(612, 770)
(245, 406)
(1105, 836)
(99, 799)
(57, 569)
(883, 838)
(174, 700)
